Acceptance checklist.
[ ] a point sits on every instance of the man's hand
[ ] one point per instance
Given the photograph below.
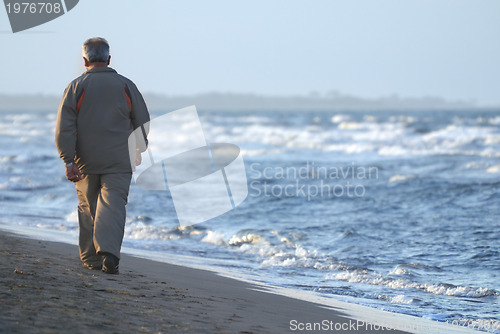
(73, 173)
(138, 157)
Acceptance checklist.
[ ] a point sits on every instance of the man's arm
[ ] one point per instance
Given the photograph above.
(139, 116)
(66, 132)
(66, 126)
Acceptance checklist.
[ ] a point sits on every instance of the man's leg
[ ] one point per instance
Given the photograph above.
(88, 191)
(110, 213)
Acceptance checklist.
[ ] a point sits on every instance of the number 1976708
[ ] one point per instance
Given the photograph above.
(33, 8)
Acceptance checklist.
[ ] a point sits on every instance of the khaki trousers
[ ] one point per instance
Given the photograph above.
(101, 214)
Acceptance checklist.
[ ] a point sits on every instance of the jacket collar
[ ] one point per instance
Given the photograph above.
(100, 69)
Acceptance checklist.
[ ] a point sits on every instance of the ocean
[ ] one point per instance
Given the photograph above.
(395, 210)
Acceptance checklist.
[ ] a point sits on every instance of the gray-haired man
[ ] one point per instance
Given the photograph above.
(98, 112)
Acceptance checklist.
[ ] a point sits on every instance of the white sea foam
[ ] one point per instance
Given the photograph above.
(403, 119)
(351, 126)
(494, 120)
(401, 299)
(400, 178)
(140, 229)
(493, 169)
(340, 118)
(394, 136)
(250, 238)
(398, 270)
(215, 238)
(349, 148)
(402, 283)
(286, 254)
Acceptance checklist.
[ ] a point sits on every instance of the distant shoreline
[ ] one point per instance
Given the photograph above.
(254, 102)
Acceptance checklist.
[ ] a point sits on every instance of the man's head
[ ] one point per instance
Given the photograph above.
(96, 52)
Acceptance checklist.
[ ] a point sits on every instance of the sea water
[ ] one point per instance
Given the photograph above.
(395, 210)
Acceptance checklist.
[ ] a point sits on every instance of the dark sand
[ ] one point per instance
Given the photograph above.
(45, 289)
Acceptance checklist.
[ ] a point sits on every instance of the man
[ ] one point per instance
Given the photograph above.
(98, 112)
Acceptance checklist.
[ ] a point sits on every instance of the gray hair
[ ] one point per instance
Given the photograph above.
(96, 50)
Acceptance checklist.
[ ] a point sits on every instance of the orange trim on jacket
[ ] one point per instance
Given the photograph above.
(80, 100)
(127, 95)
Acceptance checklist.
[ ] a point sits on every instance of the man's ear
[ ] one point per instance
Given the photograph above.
(87, 64)
(109, 59)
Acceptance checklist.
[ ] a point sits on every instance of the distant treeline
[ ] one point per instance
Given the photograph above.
(235, 102)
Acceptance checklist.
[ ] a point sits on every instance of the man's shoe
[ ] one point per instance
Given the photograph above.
(92, 266)
(110, 264)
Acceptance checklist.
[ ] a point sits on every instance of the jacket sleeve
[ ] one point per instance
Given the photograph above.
(139, 116)
(66, 127)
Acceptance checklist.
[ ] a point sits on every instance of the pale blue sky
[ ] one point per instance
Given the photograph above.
(370, 48)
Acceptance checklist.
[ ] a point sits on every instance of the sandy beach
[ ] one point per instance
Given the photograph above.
(44, 289)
